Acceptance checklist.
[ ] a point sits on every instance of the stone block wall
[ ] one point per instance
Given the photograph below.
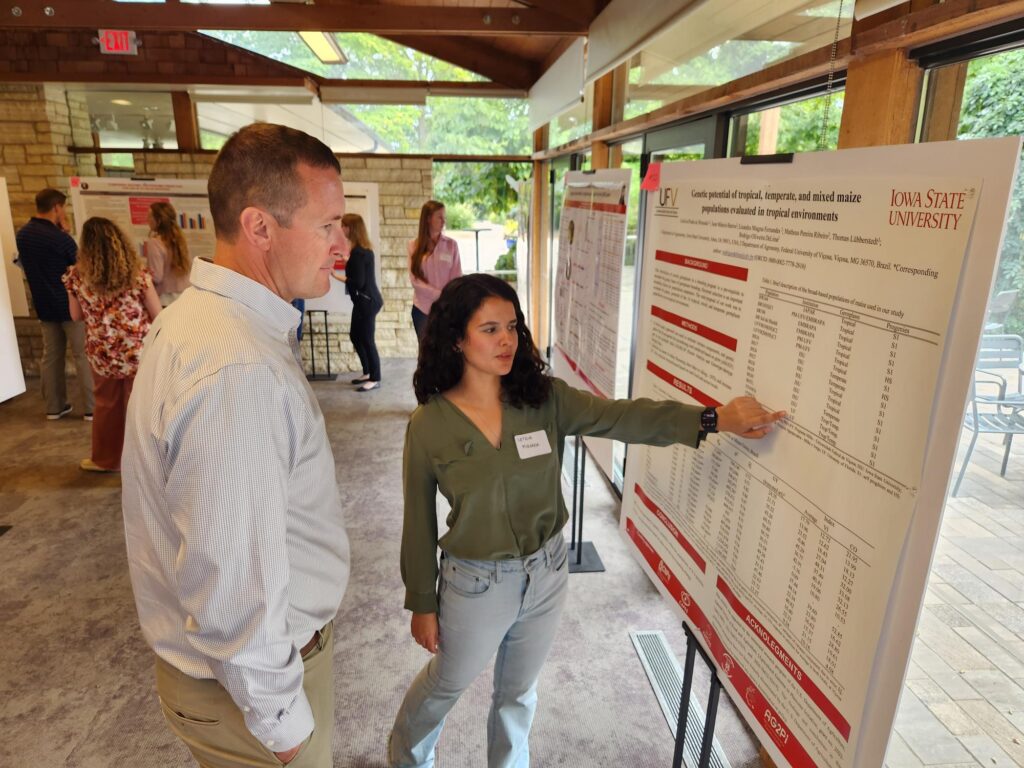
(39, 122)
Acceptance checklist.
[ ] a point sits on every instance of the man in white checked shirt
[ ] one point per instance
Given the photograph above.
(236, 546)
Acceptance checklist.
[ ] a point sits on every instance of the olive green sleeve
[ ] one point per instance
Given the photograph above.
(651, 422)
(419, 529)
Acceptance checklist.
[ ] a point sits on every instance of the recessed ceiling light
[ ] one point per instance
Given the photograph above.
(121, 102)
(325, 47)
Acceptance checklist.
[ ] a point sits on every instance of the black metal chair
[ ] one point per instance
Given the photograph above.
(1002, 414)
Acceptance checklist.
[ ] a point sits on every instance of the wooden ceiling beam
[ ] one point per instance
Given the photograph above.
(579, 11)
(349, 16)
(432, 87)
(476, 56)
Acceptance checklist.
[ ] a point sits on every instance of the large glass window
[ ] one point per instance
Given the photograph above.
(444, 125)
(574, 123)
(366, 56)
(992, 104)
(128, 119)
(481, 213)
(718, 41)
(793, 127)
(447, 125)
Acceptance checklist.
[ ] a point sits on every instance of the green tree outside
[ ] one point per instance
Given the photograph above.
(993, 105)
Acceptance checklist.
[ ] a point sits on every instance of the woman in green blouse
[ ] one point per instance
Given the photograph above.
(489, 432)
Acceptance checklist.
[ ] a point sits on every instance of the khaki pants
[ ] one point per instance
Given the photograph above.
(55, 345)
(203, 715)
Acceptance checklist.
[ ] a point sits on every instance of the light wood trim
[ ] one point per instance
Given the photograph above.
(604, 96)
(944, 99)
(538, 240)
(186, 125)
(883, 94)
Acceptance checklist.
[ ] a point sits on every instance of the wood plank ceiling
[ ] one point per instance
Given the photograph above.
(510, 42)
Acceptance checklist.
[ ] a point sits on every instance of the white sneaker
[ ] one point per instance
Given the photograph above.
(64, 412)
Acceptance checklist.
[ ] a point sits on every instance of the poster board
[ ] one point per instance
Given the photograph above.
(364, 199)
(126, 202)
(12, 287)
(852, 297)
(591, 249)
(15, 277)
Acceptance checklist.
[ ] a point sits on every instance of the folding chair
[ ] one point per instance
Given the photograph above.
(1000, 415)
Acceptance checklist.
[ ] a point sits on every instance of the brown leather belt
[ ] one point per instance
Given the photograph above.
(310, 645)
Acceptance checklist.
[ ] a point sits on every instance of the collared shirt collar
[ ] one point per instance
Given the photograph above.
(279, 314)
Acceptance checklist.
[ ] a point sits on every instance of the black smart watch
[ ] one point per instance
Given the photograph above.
(709, 420)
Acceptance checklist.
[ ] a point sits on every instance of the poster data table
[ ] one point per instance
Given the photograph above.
(829, 300)
(591, 240)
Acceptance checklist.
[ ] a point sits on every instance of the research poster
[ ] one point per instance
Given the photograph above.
(591, 243)
(363, 199)
(824, 288)
(126, 202)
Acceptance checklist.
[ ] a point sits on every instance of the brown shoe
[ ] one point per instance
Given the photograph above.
(91, 466)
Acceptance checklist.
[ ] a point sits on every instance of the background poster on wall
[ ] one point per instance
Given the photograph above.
(591, 243)
(12, 301)
(826, 288)
(591, 247)
(363, 199)
(126, 202)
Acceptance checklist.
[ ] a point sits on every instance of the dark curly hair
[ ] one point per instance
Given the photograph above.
(440, 366)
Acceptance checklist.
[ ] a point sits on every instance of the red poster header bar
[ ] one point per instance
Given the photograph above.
(682, 386)
(579, 372)
(703, 265)
(795, 671)
(764, 713)
(588, 206)
(696, 328)
(676, 533)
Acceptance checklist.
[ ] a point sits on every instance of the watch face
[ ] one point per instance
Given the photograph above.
(709, 420)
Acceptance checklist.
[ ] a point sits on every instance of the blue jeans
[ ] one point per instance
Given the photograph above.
(511, 607)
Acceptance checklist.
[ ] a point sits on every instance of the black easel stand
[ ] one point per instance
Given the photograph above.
(692, 649)
(310, 331)
(587, 560)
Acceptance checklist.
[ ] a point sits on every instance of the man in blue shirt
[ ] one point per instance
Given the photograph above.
(45, 251)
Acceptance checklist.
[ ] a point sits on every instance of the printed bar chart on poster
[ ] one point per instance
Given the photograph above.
(126, 202)
(854, 303)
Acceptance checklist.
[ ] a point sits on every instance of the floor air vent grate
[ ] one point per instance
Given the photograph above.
(666, 678)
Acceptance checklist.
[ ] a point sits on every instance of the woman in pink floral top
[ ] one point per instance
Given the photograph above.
(114, 294)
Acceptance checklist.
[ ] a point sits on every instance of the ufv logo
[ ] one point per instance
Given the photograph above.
(667, 196)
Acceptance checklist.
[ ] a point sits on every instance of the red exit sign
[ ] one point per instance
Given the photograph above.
(119, 41)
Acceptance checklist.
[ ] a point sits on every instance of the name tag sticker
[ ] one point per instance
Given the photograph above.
(446, 258)
(533, 444)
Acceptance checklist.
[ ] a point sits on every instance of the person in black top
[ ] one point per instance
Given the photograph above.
(45, 251)
(361, 285)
